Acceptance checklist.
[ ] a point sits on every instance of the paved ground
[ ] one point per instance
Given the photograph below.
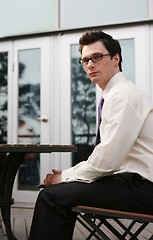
(21, 221)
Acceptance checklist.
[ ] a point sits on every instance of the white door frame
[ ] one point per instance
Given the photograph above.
(46, 107)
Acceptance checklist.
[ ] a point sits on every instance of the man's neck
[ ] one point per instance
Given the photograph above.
(103, 85)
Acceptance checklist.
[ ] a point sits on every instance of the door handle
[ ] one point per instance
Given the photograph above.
(43, 118)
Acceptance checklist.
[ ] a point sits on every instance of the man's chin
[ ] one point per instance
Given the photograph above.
(94, 80)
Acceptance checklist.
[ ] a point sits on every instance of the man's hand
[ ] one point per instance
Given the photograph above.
(53, 178)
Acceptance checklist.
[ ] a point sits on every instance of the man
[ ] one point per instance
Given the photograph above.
(119, 173)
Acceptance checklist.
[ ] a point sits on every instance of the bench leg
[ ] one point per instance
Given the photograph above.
(5, 210)
(95, 227)
(92, 232)
(140, 229)
(126, 229)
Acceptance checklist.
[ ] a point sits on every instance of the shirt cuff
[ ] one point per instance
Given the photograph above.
(68, 175)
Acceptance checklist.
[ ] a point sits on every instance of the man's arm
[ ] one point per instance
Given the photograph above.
(122, 121)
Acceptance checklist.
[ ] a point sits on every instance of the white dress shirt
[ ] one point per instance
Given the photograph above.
(126, 134)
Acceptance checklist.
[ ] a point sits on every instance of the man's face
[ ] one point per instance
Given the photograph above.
(100, 72)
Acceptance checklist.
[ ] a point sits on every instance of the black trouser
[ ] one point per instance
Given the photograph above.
(53, 218)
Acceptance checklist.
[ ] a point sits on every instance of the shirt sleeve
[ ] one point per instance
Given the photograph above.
(120, 126)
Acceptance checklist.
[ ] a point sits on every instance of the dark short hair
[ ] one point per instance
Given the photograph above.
(112, 45)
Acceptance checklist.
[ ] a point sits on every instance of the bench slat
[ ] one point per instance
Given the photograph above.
(113, 213)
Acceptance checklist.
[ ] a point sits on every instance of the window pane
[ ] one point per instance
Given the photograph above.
(128, 54)
(78, 13)
(83, 108)
(28, 111)
(3, 96)
(21, 17)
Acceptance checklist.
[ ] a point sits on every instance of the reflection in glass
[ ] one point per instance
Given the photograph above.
(83, 108)
(28, 111)
(3, 96)
(3, 102)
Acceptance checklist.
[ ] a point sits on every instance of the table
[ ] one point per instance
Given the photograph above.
(16, 154)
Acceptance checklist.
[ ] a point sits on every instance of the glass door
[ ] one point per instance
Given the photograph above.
(26, 108)
(5, 94)
(82, 96)
(32, 75)
(5, 90)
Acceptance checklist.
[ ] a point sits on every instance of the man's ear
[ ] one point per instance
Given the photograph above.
(116, 59)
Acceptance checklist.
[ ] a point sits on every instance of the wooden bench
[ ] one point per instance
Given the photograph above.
(96, 219)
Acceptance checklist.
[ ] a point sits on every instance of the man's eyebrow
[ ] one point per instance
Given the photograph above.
(85, 58)
(91, 55)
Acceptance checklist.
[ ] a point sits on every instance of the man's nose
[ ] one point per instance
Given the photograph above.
(90, 63)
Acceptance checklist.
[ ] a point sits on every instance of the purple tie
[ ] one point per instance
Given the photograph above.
(99, 120)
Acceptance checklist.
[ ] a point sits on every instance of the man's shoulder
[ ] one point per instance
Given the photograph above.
(122, 89)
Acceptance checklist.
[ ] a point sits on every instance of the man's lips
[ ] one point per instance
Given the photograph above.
(92, 74)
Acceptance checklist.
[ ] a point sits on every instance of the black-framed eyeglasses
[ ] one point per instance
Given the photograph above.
(95, 58)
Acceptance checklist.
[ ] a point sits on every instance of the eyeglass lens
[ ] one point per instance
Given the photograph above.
(95, 58)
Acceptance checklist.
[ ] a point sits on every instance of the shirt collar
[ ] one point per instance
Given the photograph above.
(115, 79)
